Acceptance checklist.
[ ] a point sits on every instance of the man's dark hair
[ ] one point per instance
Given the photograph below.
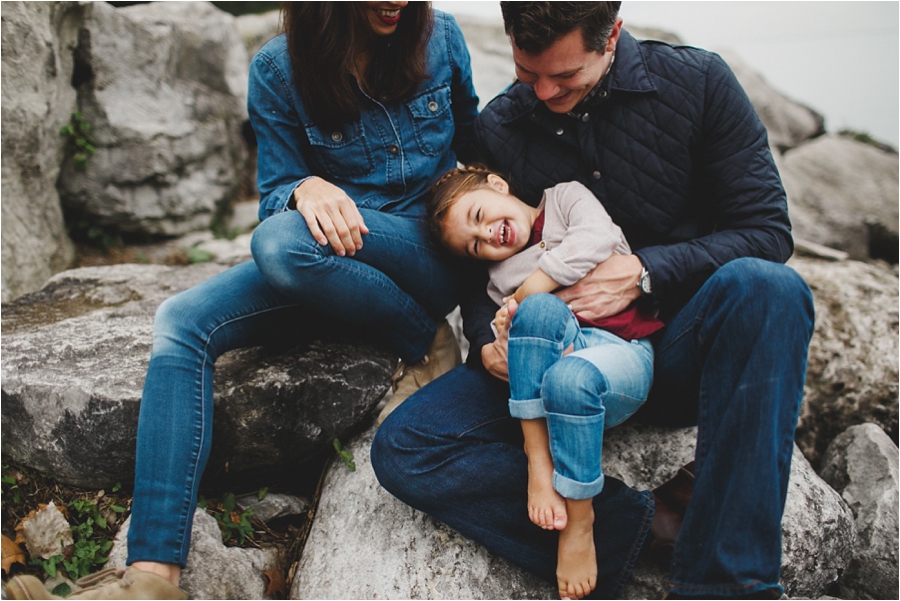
(535, 26)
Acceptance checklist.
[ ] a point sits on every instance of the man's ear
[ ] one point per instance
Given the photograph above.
(498, 183)
(614, 36)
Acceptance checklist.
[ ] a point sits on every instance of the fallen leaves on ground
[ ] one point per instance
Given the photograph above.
(12, 553)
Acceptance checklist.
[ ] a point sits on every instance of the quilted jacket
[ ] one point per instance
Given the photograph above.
(674, 150)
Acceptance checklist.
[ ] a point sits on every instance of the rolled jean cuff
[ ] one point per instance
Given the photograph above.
(573, 489)
(527, 409)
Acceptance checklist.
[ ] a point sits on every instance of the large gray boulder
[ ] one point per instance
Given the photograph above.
(164, 88)
(213, 570)
(852, 374)
(74, 357)
(38, 99)
(365, 544)
(861, 464)
(843, 193)
(257, 29)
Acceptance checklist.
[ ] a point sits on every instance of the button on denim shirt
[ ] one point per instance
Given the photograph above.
(388, 159)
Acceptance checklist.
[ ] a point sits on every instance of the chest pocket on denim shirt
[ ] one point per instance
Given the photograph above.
(432, 120)
(343, 152)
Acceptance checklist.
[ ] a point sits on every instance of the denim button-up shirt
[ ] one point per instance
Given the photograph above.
(388, 159)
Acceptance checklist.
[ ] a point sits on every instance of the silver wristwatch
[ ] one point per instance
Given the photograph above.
(644, 282)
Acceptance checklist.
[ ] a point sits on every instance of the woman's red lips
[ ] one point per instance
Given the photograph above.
(387, 20)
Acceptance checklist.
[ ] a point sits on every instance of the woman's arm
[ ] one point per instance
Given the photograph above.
(284, 178)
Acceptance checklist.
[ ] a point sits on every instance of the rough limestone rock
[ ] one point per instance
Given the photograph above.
(74, 357)
(861, 464)
(213, 571)
(257, 29)
(366, 544)
(164, 87)
(788, 123)
(818, 533)
(852, 374)
(38, 99)
(843, 193)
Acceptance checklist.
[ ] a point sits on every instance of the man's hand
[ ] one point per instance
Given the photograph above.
(331, 215)
(494, 355)
(607, 289)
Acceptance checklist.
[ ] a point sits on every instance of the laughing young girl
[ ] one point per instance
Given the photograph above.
(570, 378)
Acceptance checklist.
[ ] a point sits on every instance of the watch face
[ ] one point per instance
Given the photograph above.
(645, 283)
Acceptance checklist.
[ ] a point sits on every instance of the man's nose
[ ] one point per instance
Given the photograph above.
(545, 89)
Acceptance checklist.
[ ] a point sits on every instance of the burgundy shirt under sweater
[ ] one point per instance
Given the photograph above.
(630, 324)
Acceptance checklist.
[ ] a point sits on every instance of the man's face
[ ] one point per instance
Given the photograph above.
(563, 74)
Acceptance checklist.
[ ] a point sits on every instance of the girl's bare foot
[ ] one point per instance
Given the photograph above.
(576, 567)
(546, 507)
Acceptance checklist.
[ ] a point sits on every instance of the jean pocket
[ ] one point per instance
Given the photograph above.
(434, 130)
(343, 152)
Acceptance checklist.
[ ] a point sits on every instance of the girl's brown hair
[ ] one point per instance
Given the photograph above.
(449, 188)
(322, 40)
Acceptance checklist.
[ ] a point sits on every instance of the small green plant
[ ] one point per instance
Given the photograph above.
(263, 492)
(232, 524)
(11, 486)
(79, 141)
(198, 255)
(345, 455)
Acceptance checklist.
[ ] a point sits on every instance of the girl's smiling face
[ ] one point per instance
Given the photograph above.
(488, 223)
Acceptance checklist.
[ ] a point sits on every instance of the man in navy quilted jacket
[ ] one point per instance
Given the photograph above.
(667, 140)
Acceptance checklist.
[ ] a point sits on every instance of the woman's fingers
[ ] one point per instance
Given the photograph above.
(332, 216)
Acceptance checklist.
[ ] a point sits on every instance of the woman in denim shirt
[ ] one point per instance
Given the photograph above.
(341, 182)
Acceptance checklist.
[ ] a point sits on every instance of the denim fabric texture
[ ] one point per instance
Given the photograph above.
(388, 159)
(599, 385)
(733, 361)
(396, 287)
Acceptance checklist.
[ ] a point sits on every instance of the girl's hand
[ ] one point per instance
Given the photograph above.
(494, 355)
(332, 216)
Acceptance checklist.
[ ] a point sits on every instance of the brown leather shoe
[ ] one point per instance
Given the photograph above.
(671, 500)
(111, 583)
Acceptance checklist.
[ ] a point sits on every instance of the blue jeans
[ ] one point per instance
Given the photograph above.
(394, 288)
(597, 386)
(733, 361)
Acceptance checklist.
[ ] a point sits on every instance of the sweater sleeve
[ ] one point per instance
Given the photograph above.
(588, 233)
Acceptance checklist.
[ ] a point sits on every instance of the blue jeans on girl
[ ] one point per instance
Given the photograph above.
(597, 386)
(394, 287)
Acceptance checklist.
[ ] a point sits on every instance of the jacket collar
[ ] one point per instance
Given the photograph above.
(628, 74)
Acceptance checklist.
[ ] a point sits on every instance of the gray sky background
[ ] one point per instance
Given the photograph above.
(838, 58)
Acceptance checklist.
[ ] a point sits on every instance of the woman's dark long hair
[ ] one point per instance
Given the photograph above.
(322, 39)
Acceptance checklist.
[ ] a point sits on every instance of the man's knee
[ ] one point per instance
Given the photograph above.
(763, 288)
(540, 316)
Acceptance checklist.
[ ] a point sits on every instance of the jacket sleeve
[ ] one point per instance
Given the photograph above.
(739, 188)
(462, 92)
(590, 237)
(476, 307)
(276, 124)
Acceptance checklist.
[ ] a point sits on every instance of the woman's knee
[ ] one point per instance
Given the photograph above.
(573, 386)
(281, 245)
(541, 316)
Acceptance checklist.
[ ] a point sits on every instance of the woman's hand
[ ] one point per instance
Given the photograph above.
(606, 290)
(332, 216)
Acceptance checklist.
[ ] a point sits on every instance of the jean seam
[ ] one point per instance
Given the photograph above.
(633, 553)
(195, 455)
(481, 424)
